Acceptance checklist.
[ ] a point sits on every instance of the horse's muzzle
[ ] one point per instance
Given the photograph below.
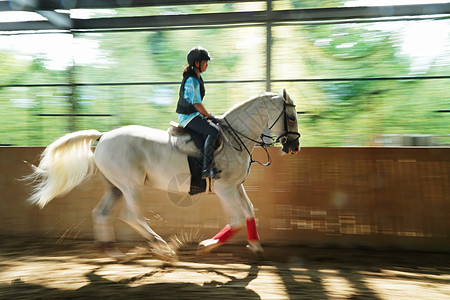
(291, 147)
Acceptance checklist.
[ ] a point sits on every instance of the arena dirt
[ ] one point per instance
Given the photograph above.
(74, 269)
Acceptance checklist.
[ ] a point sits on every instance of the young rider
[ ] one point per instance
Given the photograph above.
(191, 112)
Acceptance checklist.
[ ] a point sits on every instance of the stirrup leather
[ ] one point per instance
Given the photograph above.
(213, 173)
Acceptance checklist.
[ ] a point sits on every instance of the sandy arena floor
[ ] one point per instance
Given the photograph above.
(74, 269)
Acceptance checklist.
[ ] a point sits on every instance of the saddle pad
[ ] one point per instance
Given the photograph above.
(176, 130)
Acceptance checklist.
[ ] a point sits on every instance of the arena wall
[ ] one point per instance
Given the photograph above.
(395, 198)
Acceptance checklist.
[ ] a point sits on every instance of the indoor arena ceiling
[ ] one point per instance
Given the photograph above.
(56, 16)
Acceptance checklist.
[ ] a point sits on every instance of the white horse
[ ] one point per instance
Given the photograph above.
(130, 156)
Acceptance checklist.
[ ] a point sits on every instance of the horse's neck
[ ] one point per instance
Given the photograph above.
(250, 118)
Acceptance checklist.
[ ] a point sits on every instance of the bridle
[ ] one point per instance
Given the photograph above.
(282, 138)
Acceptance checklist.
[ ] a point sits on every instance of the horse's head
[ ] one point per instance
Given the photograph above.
(285, 126)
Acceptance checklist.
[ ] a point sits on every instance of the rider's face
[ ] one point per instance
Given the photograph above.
(203, 65)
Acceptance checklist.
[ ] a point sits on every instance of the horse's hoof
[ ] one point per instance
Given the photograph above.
(207, 246)
(164, 255)
(111, 250)
(163, 252)
(134, 254)
(255, 247)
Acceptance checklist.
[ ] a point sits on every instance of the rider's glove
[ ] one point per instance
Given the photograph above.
(213, 119)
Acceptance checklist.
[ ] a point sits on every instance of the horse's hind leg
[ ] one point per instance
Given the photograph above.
(131, 215)
(103, 218)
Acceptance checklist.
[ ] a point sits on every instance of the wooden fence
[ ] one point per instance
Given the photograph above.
(347, 197)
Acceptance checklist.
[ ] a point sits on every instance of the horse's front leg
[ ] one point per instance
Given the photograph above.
(254, 243)
(240, 211)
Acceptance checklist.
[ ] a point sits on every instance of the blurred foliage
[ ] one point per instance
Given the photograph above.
(350, 112)
(343, 112)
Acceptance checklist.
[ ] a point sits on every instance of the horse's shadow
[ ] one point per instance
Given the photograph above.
(103, 288)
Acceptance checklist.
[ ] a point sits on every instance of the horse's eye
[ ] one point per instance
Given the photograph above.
(292, 120)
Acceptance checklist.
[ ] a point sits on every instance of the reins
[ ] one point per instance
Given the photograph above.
(242, 146)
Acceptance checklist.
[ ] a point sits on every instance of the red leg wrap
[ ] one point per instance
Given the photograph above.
(225, 234)
(251, 230)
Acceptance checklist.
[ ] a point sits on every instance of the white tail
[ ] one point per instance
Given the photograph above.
(64, 164)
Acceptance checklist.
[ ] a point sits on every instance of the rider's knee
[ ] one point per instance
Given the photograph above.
(214, 133)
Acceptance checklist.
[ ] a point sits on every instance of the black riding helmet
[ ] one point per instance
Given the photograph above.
(197, 54)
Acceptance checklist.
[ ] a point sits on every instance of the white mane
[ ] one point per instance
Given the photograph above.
(249, 102)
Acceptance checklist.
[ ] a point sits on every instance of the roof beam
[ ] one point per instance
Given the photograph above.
(27, 26)
(168, 21)
(342, 13)
(299, 15)
(362, 12)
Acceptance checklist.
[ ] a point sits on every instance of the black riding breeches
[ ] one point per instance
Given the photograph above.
(203, 127)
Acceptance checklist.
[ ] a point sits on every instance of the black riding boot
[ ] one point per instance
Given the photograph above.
(208, 156)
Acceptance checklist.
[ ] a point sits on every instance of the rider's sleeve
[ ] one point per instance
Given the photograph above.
(192, 91)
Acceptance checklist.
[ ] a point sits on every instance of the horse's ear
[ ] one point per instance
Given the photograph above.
(286, 96)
